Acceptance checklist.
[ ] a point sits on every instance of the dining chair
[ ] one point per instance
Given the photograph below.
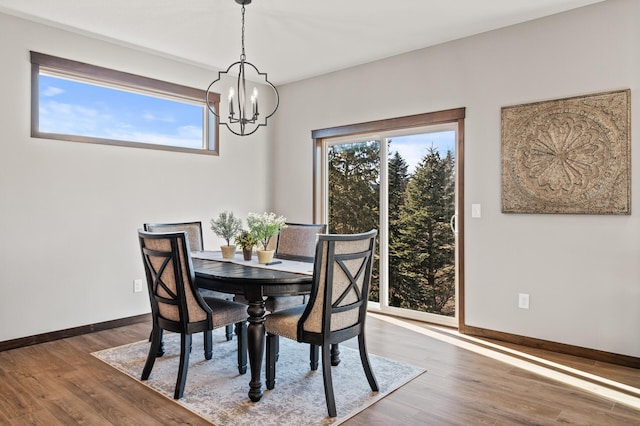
(336, 310)
(193, 230)
(177, 306)
(296, 241)
(196, 243)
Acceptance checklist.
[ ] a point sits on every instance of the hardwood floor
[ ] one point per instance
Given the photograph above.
(468, 382)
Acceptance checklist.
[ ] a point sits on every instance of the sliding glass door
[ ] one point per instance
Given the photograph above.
(421, 197)
(402, 183)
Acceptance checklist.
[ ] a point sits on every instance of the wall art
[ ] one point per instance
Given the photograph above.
(569, 156)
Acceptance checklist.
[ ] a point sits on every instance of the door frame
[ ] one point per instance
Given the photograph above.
(456, 116)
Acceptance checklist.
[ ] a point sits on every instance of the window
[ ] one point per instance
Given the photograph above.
(79, 102)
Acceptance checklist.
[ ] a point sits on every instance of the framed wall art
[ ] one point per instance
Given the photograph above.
(569, 155)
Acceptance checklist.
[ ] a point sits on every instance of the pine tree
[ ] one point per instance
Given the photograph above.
(354, 194)
(398, 181)
(425, 245)
(354, 181)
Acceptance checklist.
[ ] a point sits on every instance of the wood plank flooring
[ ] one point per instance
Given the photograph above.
(60, 383)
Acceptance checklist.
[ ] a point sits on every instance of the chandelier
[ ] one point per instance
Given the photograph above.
(242, 110)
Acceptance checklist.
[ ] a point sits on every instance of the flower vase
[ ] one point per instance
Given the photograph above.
(265, 256)
(228, 252)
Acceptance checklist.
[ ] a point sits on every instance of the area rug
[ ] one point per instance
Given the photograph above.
(218, 393)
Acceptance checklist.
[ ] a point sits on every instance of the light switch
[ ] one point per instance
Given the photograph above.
(476, 210)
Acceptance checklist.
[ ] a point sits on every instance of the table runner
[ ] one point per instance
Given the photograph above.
(305, 268)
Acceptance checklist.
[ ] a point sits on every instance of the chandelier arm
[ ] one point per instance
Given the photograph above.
(214, 82)
(275, 91)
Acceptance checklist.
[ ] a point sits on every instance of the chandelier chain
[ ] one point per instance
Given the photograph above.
(243, 56)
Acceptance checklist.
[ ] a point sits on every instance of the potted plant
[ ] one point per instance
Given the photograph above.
(246, 241)
(263, 227)
(228, 227)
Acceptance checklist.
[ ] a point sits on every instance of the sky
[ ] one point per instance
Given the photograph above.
(414, 147)
(79, 108)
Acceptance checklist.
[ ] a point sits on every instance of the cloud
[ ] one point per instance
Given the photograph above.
(51, 91)
(100, 120)
(190, 132)
(64, 118)
(184, 141)
(166, 118)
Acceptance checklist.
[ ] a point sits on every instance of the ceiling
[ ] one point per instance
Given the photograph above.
(289, 39)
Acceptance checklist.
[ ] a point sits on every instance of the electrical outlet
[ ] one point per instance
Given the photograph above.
(137, 286)
(523, 301)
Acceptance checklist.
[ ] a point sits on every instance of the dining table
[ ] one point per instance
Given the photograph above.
(255, 282)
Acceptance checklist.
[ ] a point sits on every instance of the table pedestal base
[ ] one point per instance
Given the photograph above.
(255, 340)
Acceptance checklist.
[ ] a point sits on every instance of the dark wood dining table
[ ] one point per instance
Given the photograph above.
(255, 284)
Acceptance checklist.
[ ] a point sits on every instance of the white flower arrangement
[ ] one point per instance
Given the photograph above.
(264, 226)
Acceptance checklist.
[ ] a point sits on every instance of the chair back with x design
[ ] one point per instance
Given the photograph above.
(337, 307)
(176, 304)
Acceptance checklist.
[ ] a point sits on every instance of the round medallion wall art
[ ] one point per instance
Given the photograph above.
(568, 155)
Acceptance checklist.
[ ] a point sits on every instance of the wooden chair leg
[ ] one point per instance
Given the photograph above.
(328, 383)
(314, 356)
(185, 345)
(229, 332)
(156, 343)
(364, 358)
(208, 344)
(335, 354)
(241, 331)
(270, 361)
(161, 346)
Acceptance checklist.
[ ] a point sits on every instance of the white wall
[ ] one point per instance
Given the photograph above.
(582, 272)
(68, 249)
(69, 211)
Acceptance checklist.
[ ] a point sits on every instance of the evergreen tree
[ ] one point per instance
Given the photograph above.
(398, 181)
(424, 249)
(354, 187)
(354, 194)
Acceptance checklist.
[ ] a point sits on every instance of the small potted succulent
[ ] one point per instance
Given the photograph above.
(227, 226)
(263, 227)
(246, 241)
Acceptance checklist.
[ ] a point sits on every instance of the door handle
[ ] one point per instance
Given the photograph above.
(452, 223)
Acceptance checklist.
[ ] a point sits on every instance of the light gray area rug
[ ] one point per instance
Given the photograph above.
(216, 392)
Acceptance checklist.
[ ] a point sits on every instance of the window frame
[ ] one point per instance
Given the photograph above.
(80, 71)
